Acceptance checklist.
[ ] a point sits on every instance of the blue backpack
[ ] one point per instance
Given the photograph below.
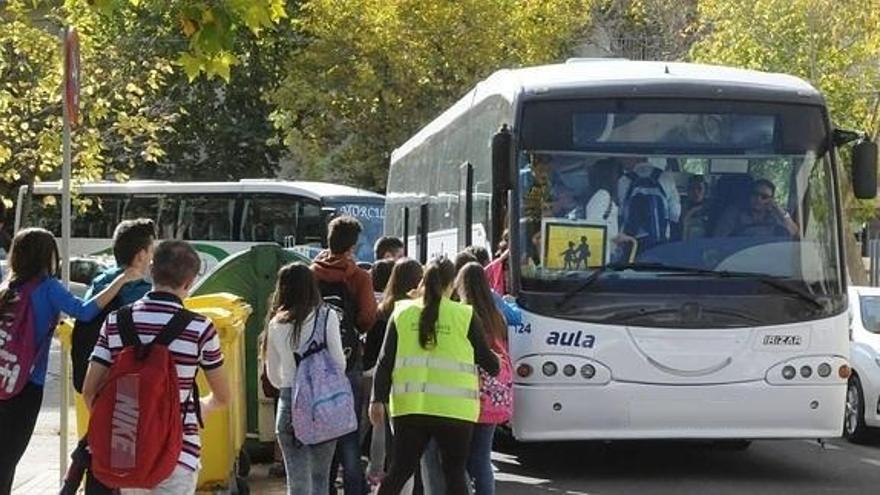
(323, 402)
(646, 210)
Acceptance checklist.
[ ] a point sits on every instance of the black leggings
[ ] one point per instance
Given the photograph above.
(412, 434)
(18, 416)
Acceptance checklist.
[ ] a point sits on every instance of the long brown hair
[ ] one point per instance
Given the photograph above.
(33, 254)
(439, 276)
(473, 289)
(296, 296)
(405, 277)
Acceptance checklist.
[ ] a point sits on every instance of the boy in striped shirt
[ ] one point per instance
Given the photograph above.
(175, 267)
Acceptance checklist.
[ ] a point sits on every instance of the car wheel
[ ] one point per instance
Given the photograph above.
(854, 428)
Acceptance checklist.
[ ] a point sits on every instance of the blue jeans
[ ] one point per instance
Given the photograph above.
(307, 465)
(348, 448)
(479, 464)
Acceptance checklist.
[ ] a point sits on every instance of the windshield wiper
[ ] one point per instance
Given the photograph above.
(775, 282)
(598, 272)
(675, 270)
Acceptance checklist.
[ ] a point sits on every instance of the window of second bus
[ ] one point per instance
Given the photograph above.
(206, 218)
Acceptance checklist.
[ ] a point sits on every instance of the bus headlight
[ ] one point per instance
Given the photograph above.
(549, 368)
(824, 370)
(569, 370)
(588, 371)
(788, 372)
(806, 371)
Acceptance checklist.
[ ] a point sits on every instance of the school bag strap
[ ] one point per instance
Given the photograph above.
(655, 176)
(170, 332)
(316, 345)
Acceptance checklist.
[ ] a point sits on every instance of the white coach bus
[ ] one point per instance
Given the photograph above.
(219, 218)
(675, 243)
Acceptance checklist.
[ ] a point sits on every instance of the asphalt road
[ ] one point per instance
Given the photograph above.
(766, 467)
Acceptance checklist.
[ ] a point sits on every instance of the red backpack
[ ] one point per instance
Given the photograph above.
(136, 426)
(19, 350)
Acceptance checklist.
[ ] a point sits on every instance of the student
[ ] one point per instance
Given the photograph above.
(480, 253)
(295, 304)
(496, 394)
(352, 288)
(33, 265)
(413, 380)
(380, 272)
(388, 248)
(508, 308)
(132, 247)
(405, 278)
(174, 270)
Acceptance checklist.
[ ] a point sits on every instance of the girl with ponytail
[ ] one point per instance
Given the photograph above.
(426, 377)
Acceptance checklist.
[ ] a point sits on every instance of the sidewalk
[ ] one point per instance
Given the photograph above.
(38, 471)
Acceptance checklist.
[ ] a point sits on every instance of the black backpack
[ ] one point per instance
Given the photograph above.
(83, 340)
(337, 295)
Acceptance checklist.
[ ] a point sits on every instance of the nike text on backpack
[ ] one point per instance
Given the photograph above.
(337, 295)
(136, 426)
(323, 402)
(645, 209)
(19, 349)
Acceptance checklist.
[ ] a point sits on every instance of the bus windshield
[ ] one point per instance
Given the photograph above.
(657, 204)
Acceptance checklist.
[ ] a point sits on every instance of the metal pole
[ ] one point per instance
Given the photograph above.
(65, 260)
(874, 250)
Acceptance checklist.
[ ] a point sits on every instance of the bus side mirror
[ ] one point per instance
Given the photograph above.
(864, 169)
(501, 152)
(502, 144)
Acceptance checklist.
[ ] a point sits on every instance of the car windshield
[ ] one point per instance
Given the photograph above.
(686, 210)
(870, 306)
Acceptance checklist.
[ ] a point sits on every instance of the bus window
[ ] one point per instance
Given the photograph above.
(206, 218)
(310, 229)
(46, 213)
(159, 208)
(96, 216)
(270, 219)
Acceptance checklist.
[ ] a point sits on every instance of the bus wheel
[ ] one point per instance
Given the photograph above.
(854, 428)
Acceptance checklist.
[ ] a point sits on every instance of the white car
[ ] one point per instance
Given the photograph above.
(863, 392)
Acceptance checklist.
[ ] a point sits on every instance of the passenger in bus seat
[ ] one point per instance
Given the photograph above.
(763, 217)
(603, 208)
(695, 221)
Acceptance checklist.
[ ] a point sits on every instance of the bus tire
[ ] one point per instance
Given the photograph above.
(854, 428)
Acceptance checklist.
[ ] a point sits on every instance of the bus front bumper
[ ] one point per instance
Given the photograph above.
(642, 411)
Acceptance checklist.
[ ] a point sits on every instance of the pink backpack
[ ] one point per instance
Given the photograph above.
(19, 349)
(323, 403)
(496, 392)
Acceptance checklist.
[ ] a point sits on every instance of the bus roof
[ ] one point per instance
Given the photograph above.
(612, 78)
(314, 190)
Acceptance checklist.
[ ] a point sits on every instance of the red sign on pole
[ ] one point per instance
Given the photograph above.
(71, 76)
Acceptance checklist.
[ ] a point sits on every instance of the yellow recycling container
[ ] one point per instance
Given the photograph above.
(225, 429)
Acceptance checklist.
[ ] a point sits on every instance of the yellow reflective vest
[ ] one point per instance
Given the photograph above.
(439, 381)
